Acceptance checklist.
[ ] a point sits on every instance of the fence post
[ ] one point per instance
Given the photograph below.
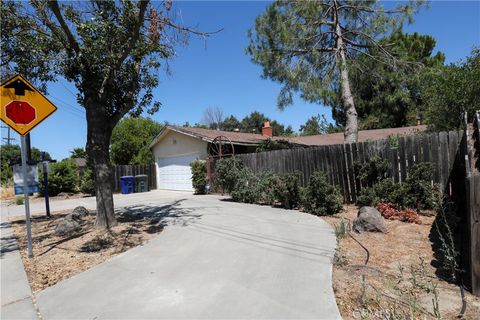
(474, 182)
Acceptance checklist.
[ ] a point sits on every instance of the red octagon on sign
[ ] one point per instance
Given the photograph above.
(20, 112)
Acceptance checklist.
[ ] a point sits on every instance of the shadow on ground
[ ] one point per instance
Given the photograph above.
(159, 216)
(8, 242)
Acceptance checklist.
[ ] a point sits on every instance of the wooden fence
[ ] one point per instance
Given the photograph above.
(133, 170)
(472, 201)
(337, 161)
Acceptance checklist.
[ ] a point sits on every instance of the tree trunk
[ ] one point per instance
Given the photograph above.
(351, 125)
(98, 142)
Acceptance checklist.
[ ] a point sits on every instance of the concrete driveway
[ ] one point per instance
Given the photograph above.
(215, 259)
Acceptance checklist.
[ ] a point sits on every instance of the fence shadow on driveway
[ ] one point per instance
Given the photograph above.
(159, 216)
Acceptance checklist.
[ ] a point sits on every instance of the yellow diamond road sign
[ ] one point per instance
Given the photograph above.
(23, 107)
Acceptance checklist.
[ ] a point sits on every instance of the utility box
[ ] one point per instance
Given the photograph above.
(127, 184)
(141, 183)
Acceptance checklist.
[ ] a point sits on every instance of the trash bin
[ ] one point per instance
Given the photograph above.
(141, 183)
(127, 184)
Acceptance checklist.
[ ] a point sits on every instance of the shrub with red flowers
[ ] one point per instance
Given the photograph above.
(390, 211)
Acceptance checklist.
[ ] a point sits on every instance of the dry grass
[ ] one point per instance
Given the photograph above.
(57, 258)
(399, 276)
(7, 193)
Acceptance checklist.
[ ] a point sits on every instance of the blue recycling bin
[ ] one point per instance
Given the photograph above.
(127, 184)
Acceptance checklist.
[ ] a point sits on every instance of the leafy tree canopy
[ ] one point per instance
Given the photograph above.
(78, 153)
(317, 125)
(230, 124)
(131, 138)
(451, 91)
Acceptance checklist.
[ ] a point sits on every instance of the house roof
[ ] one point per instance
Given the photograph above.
(363, 135)
(241, 138)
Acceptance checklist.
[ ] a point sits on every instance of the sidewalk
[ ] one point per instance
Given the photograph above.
(16, 295)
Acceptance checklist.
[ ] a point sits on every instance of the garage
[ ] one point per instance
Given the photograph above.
(174, 173)
(174, 149)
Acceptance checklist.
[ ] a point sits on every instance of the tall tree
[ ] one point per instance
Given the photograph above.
(254, 122)
(213, 117)
(311, 127)
(78, 153)
(389, 96)
(317, 125)
(131, 138)
(110, 50)
(307, 46)
(450, 92)
(230, 124)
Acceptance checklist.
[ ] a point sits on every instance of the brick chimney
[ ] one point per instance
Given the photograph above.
(419, 120)
(267, 130)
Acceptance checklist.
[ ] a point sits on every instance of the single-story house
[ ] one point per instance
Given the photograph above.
(174, 148)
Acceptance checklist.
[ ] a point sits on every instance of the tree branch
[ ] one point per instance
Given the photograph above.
(359, 45)
(53, 4)
(304, 51)
(136, 33)
(49, 24)
(193, 31)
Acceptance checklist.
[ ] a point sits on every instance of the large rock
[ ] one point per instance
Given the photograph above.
(369, 219)
(79, 213)
(66, 227)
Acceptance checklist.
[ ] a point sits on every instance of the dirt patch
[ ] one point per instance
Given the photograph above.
(398, 281)
(58, 258)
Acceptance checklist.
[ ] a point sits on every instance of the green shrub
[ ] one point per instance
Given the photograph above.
(227, 173)
(62, 178)
(372, 171)
(320, 197)
(246, 188)
(270, 145)
(417, 191)
(199, 176)
(87, 183)
(383, 191)
(19, 200)
(286, 190)
(266, 185)
(6, 174)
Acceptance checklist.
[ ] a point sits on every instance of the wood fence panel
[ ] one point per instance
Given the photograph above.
(443, 157)
(355, 159)
(409, 152)
(473, 218)
(434, 159)
(395, 165)
(344, 173)
(119, 171)
(426, 148)
(416, 148)
(402, 159)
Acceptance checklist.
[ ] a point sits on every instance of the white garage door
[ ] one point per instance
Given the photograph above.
(175, 174)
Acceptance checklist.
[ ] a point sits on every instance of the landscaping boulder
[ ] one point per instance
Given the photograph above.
(66, 227)
(79, 213)
(369, 219)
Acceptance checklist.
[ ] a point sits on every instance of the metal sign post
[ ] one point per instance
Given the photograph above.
(25, 194)
(45, 184)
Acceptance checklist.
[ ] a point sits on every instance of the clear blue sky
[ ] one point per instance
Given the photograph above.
(219, 73)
